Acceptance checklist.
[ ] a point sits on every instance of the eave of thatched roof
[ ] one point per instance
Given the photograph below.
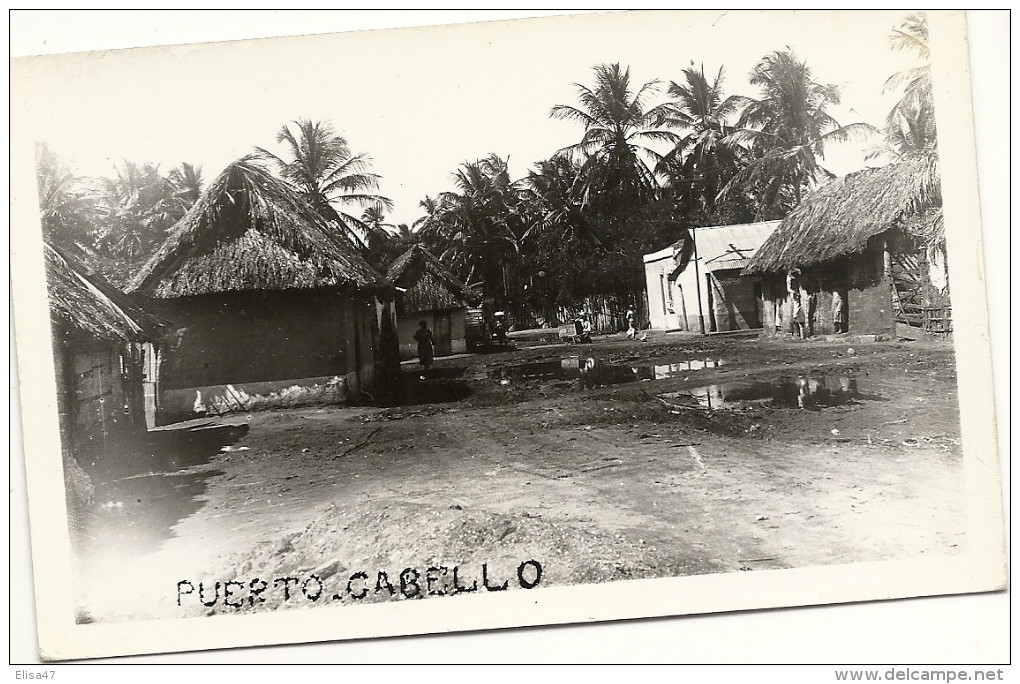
(429, 285)
(84, 301)
(252, 231)
(839, 218)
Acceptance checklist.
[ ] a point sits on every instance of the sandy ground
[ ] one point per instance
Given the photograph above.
(490, 464)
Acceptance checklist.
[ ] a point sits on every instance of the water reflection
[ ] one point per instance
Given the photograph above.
(800, 392)
(589, 372)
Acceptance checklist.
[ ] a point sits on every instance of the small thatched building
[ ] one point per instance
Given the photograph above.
(869, 249)
(270, 306)
(103, 356)
(696, 283)
(429, 292)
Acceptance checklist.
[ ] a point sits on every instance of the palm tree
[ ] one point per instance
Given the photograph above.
(331, 177)
(187, 183)
(910, 130)
(403, 237)
(787, 130)
(378, 238)
(615, 171)
(479, 226)
(429, 224)
(139, 207)
(557, 212)
(706, 158)
(66, 206)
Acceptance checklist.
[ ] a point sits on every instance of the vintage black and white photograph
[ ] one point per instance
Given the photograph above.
(437, 329)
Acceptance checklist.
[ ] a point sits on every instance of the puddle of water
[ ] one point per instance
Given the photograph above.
(163, 450)
(136, 514)
(144, 488)
(591, 373)
(417, 386)
(801, 392)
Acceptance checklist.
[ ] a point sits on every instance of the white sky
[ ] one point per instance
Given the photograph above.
(418, 101)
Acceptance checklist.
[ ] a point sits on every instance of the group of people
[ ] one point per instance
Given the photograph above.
(496, 325)
(583, 328)
(804, 304)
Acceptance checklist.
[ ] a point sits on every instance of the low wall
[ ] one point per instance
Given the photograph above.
(210, 400)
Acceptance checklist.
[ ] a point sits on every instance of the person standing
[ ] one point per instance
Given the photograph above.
(426, 345)
(631, 327)
(838, 313)
(798, 313)
(811, 310)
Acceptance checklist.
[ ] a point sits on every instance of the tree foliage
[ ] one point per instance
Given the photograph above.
(707, 157)
(910, 130)
(116, 221)
(786, 130)
(67, 205)
(617, 163)
(333, 179)
(652, 160)
(477, 228)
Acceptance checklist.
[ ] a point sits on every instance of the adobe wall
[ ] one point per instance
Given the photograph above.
(223, 348)
(98, 403)
(862, 279)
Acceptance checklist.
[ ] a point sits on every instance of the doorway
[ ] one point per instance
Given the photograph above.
(443, 334)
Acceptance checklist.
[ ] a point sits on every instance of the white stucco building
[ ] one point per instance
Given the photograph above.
(696, 285)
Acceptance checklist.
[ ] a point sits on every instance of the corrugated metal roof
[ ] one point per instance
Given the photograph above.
(726, 247)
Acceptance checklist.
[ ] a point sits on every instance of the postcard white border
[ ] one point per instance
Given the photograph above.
(711, 593)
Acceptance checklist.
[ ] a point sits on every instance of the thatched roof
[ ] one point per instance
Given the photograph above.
(251, 231)
(840, 217)
(82, 300)
(429, 286)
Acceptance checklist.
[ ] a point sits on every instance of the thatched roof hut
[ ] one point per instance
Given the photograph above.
(429, 285)
(83, 302)
(839, 218)
(99, 338)
(251, 231)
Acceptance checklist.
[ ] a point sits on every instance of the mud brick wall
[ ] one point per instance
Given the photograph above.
(822, 324)
(868, 293)
(870, 309)
(771, 293)
(263, 336)
(97, 394)
(870, 297)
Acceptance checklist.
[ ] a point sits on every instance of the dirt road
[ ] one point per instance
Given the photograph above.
(565, 464)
